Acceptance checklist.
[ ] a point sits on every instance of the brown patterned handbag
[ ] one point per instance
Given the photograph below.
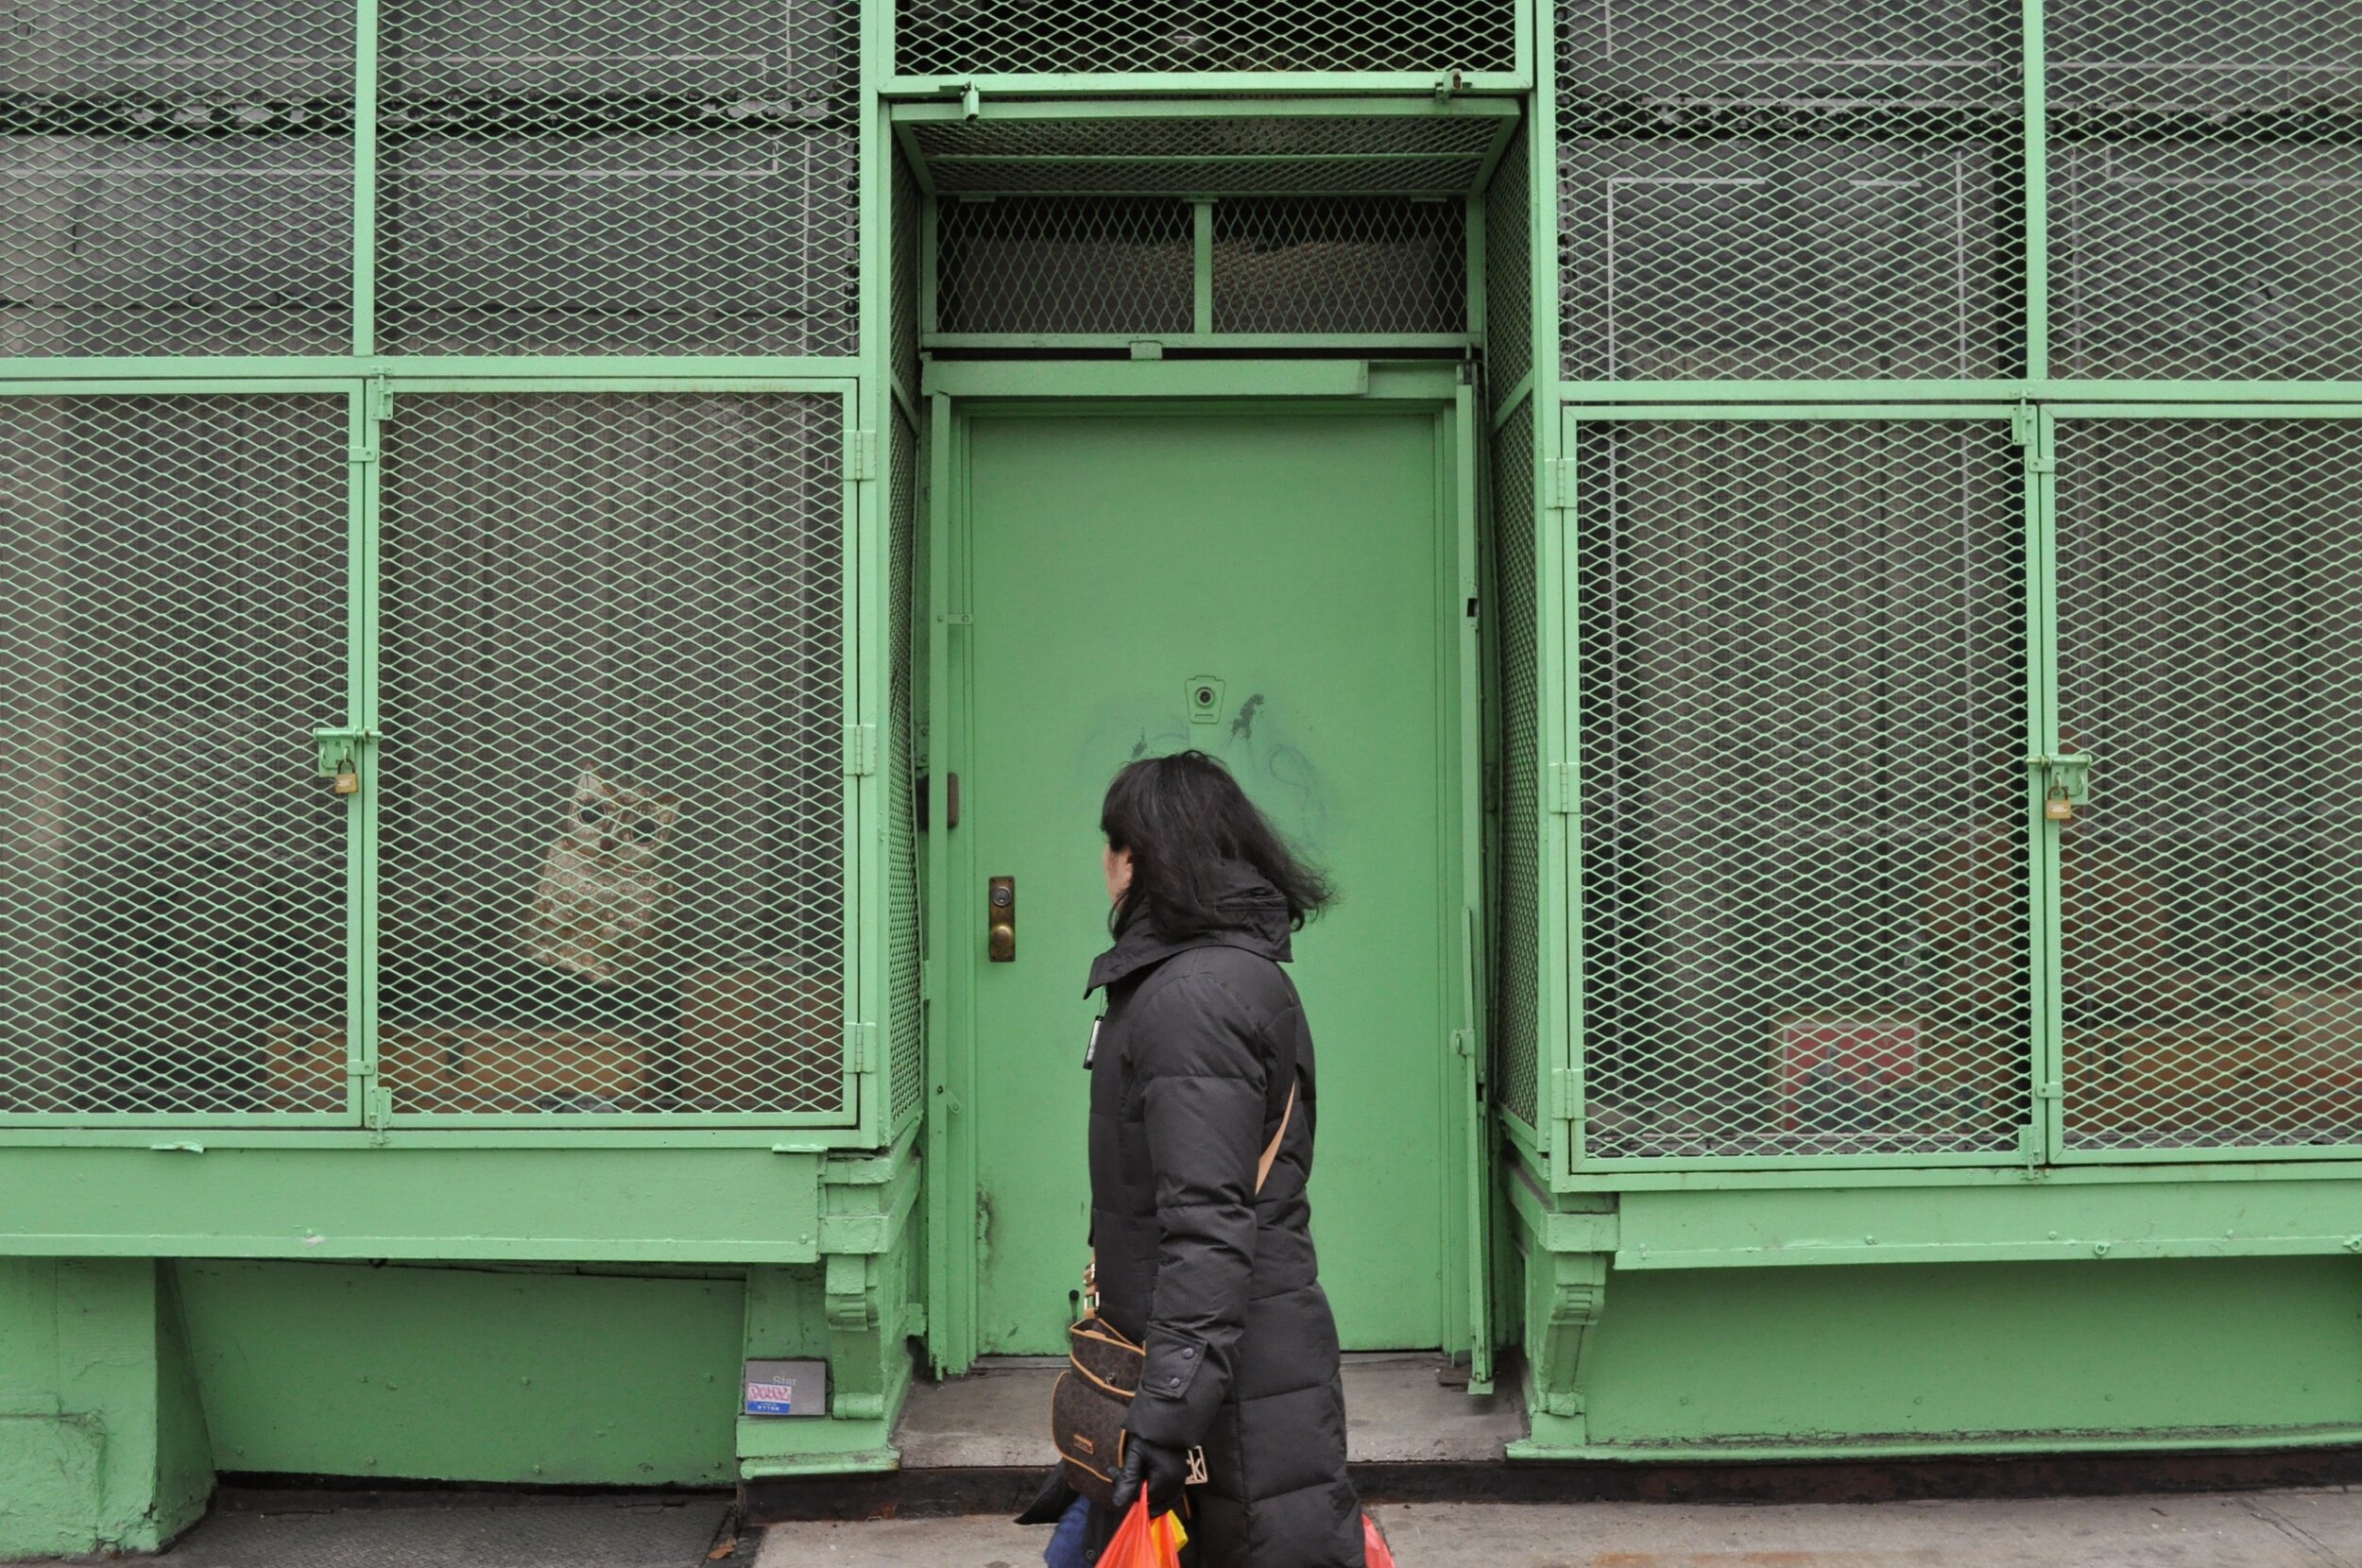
(1094, 1393)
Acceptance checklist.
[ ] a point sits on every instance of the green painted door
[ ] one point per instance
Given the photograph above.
(1269, 588)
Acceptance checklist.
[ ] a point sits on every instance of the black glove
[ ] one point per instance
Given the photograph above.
(1163, 1470)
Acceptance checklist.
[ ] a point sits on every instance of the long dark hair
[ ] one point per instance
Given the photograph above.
(1181, 816)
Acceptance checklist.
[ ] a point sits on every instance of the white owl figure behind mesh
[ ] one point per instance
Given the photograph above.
(605, 894)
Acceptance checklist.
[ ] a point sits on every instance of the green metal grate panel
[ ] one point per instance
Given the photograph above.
(1050, 264)
(1790, 192)
(902, 308)
(176, 179)
(1228, 154)
(1804, 804)
(955, 38)
(173, 869)
(1509, 271)
(905, 927)
(2210, 629)
(608, 176)
(613, 823)
(1336, 264)
(1516, 592)
(2206, 190)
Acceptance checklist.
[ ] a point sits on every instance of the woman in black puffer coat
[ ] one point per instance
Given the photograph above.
(1201, 1082)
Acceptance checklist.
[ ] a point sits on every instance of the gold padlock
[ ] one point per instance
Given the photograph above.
(2058, 807)
(348, 782)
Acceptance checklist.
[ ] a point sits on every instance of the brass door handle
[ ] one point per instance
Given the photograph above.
(1001, 920)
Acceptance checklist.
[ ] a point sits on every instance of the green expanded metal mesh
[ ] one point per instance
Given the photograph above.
(2206, 189)
(610, 176)
(905, 921)
(1248, 155)
(1799, 191)
(2210, 620)
(1509, 273)
(176, 179)
(1340, 264)
(1058, 264)
(612, 844)
(1803, 795)
(172, 868)
(1278, 265)
(1516, 662)
(960, 38)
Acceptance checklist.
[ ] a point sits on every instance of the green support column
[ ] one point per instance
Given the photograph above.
(102, 1439)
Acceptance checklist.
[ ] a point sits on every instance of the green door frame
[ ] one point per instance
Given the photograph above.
(958, 393)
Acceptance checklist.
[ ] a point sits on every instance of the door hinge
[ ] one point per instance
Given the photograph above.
(1566, 1091)
(2033, 433)
(861, 750)
(860, 1048)
(1464, 1042)
(1558, 483)
(1559, 794)
(860, 454)
(377, 1109)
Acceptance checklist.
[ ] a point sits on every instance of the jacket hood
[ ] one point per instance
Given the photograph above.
(1253, 916)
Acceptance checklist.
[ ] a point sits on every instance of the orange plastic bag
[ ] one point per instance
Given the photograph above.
(1373, 1550)
(1143, 1543)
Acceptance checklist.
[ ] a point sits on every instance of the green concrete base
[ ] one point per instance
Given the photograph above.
(126, 1384)
(103, 1445)
(1740, 1356)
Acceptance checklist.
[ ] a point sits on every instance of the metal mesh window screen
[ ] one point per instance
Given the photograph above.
(1509, 271)
(1802, 726)
(1048, 264)
(1061, 37)
(1232, 154)
(1516, 592)
(1815, 191)
(904, 940)
(176, 179)
(596, 177)
(2210, 616)
(172, 872)
(612, 821)
(1351, 264)
(902, 310)
(2206, 189)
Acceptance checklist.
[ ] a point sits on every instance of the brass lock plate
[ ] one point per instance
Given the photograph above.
(1000, 919)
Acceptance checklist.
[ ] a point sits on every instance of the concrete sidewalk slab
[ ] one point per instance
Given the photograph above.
(1398, 1411)
(2265, 1529)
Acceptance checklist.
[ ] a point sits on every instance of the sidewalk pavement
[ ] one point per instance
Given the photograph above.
(2259, 1529)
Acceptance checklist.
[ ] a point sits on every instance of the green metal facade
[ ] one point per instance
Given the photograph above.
(1906, 456)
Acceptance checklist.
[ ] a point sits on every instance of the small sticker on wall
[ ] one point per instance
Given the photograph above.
(786, 1388)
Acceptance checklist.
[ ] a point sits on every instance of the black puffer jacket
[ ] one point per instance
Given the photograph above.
(1189, 1082)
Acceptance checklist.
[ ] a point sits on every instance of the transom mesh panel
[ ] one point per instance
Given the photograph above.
(1793, 191)
(1516, 971)
(1803, 794)
(172, 872)
(904, 928)
(2210, 613)
(2206, 189)
(1341, 264)
(1048, 264)
(1060, 37)
(619, 177)
(612, 842)
(176, 179)
(1315, 154)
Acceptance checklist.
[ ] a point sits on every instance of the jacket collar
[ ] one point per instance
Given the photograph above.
(1255, 919)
